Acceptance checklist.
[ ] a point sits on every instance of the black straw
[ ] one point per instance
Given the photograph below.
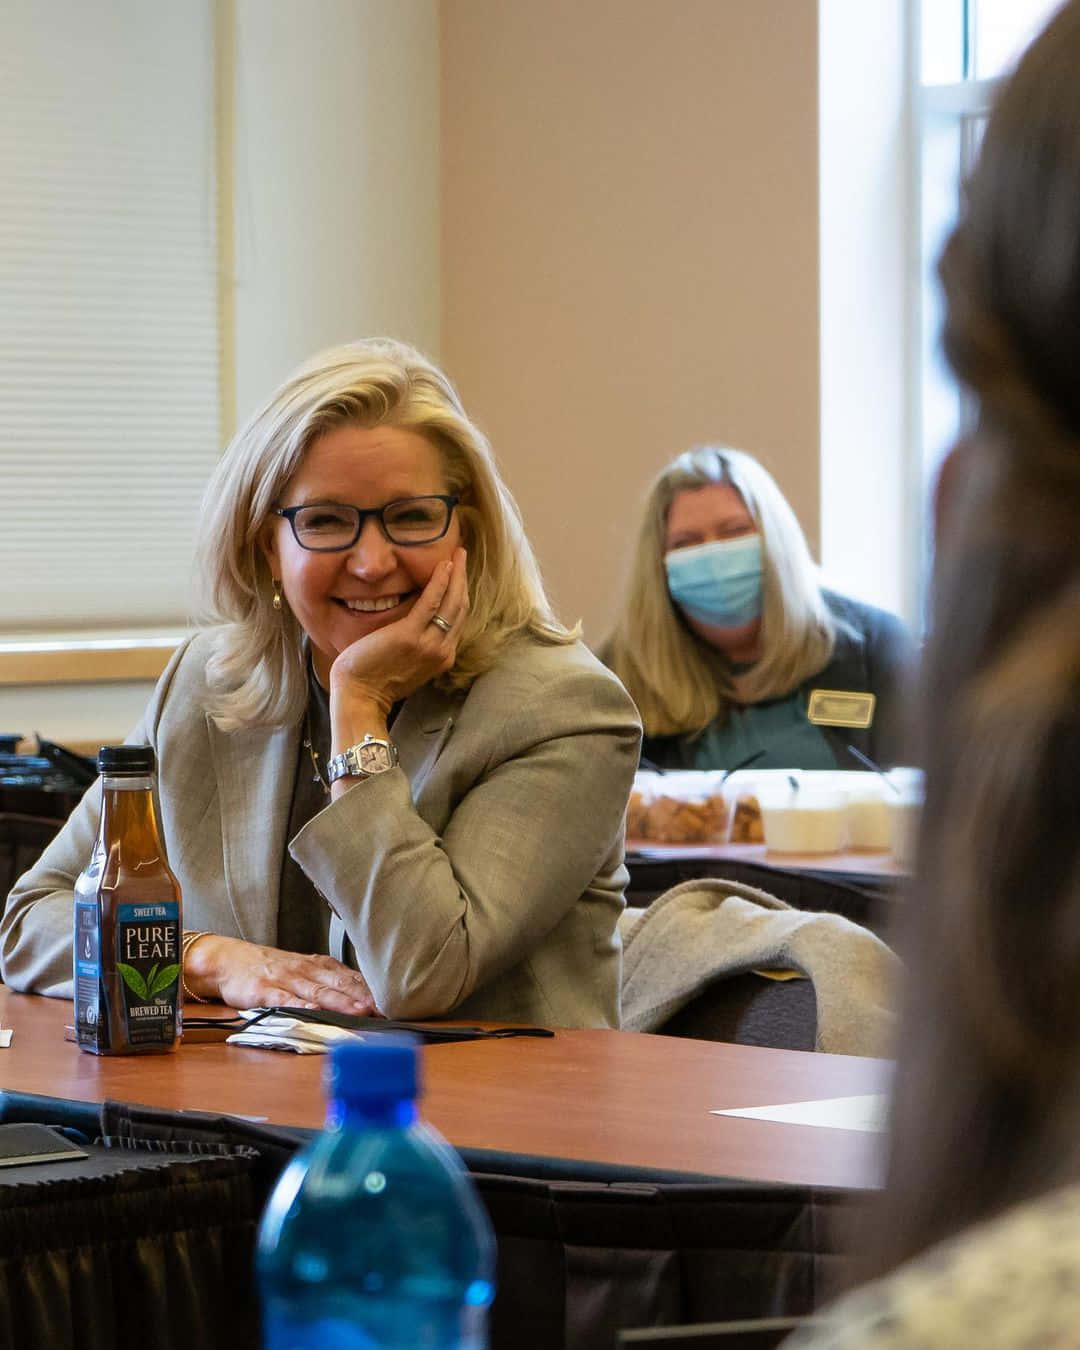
(742, 764)
(869, 763)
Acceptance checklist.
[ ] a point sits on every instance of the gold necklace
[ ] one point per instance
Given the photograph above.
(313, 753)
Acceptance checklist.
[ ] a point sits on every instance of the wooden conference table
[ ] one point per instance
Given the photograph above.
(620, 1101)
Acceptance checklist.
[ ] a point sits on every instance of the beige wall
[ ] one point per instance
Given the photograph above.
(630, 254)
(335, 187)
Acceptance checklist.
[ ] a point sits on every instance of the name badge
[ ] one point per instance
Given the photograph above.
(835, 708)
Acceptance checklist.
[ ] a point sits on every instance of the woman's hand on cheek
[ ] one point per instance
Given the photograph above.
(247, 975)
(394, 661)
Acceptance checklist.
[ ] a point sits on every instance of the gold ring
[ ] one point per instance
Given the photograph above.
(440, 622)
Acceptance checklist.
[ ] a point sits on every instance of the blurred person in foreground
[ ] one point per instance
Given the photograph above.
(978, 1230)
(725, 632)
(390, 781)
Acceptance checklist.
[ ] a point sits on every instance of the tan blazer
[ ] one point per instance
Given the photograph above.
(483, 877)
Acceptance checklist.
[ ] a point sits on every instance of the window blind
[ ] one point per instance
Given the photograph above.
(109, 354)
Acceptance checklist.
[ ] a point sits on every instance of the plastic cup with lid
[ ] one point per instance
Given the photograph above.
(905, 807)
(802, 816)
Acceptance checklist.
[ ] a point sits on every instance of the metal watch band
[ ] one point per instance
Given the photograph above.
(365, 759)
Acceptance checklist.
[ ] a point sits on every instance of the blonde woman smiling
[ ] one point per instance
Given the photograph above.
(725, 632)
(390, 780)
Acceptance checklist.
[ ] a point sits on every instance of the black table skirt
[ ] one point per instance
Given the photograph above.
(150, 1241)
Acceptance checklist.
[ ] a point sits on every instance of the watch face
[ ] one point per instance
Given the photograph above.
(374, 758)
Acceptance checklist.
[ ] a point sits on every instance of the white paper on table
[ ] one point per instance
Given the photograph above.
(290, 1033)
(5, 1038)
(866, 1112)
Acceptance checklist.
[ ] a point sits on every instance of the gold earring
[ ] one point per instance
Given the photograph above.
(277, 595)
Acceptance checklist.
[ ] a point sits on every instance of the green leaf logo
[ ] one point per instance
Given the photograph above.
(133, 980)
(161, 981)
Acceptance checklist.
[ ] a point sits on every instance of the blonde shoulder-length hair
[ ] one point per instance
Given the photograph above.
(679, 682)
(257, 672)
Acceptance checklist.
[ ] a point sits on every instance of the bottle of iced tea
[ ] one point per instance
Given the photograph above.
(128, 919)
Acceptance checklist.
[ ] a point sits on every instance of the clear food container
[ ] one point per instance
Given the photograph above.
(678, 808)
(804, 817)
(744, 788)
(905, 808)
(789, 810)
(868, 814)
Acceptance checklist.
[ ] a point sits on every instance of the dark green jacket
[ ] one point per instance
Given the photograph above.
(874, 654)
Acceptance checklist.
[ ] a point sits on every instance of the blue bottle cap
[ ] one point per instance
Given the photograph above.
(385, 1067)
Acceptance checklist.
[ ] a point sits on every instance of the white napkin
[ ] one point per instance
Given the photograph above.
(290, 1033)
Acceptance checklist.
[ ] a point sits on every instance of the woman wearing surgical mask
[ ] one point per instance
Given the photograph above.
(729, 645)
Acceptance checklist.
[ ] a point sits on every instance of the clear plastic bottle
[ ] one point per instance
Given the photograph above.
(374, 1237)
(128, 919)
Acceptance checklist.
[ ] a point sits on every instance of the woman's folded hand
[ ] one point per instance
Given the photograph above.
(247, 975)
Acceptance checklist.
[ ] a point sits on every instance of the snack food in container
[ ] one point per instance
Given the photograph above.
(637, 809)
(678, 808)
(743, 788)
(746, 826)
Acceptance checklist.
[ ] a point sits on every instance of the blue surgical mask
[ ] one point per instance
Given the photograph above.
(718, 583)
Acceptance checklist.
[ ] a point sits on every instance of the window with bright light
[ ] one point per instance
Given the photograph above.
(109, 311)
(999, 30)
(966, 48)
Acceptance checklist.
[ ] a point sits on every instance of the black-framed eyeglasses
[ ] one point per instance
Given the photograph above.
(329, 527)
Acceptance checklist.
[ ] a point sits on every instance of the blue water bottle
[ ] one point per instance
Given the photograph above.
(374, 1238)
